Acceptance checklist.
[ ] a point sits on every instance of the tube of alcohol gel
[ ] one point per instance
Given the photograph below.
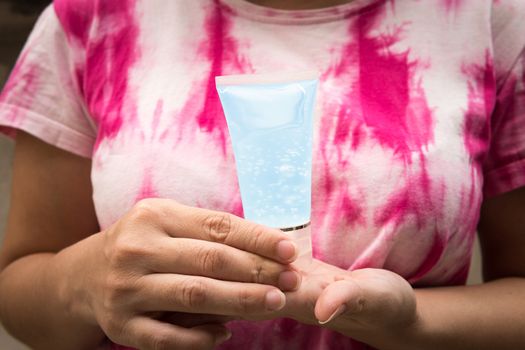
(270, 120)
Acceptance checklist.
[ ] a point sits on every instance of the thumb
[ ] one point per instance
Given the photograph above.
(344, 296)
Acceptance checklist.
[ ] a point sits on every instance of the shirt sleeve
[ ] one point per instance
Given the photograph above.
(504, 166)
(42, 96)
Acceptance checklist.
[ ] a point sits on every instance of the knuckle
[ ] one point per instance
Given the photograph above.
(212, 260)
(193, 293)
(258, 272)
(118, 292)
(128, 250)
(247, 302)
(161, 341)
(218, 226)
(144, 210)
(257, 235)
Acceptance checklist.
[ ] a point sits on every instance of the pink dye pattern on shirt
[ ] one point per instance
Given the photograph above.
(421, 112)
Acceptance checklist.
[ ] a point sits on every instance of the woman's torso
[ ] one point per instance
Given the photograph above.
(402, 128)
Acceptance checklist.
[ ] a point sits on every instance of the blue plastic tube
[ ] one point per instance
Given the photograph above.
(270, 120)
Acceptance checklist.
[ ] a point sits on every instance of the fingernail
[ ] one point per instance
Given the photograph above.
(223, 337)
(275, 300)
(287, 250)
(337, 313)
(289, 280)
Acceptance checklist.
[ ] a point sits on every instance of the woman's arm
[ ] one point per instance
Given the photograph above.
(490, 315)
(51, 208)
(487, 316)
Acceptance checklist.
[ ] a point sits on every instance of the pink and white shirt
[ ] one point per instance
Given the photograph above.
(421, 115)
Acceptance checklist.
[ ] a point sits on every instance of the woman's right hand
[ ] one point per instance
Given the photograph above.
(166, 257)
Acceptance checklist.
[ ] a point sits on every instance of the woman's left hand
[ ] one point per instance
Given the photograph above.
(356, 303)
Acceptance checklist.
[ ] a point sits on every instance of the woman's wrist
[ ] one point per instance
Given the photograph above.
(74, 268)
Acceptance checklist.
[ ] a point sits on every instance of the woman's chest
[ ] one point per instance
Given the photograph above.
(399, 136)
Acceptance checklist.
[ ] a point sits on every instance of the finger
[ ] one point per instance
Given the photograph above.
(342, 296)
(219, 261)
(146, 333)
(187, 320)
(189, 222)
(196, 294)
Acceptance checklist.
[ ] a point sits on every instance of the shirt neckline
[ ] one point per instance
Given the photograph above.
(260, 13)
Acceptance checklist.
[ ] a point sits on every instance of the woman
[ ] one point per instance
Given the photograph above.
(420, 139)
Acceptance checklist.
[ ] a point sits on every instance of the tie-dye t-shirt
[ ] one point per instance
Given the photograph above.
(420, 115)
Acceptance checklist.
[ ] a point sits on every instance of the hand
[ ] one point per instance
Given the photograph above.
(355, 303)
(367, 301)
(166, 257)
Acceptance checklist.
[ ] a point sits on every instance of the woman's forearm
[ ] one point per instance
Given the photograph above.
(32, 303)
(486, 316)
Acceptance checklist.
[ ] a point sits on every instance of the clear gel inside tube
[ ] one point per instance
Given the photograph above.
(270, 119)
